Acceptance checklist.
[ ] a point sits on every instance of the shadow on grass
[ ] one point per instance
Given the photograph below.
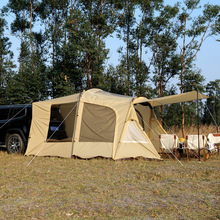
(2, 149)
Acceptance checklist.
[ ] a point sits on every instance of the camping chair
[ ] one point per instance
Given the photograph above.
(213, 143)
(168, 143)
(193, 147)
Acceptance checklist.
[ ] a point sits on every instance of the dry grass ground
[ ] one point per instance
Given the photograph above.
(56, 188)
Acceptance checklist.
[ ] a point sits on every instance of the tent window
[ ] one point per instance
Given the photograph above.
(60, 130)
(98, 124)
(134, 134)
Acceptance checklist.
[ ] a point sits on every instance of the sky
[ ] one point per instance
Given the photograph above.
(207, 60)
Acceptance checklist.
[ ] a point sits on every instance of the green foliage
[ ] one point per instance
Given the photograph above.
(114, 80)
(62, 50)
(171, 114)
(166, 62)
(6, 63)
(193, 81)
(194, 30)
(212, 105)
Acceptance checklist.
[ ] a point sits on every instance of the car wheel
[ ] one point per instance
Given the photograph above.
(15, 144)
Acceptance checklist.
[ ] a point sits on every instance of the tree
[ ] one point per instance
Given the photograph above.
(18, 26)
(25, 12)
(163, 45)
(20, 86)
(165, 60)
(192, 81)
(101, 17)
(126, 27)
(6, 63)
(212, 105)
(53, 15)
(28, 83)
(114, 80)
(171, 114)
(193, 32)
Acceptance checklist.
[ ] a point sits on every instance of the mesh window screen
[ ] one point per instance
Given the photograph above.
(98, 124)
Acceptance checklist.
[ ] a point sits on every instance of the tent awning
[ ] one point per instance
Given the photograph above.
(184, 97)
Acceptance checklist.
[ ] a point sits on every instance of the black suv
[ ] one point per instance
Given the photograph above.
(15, 122)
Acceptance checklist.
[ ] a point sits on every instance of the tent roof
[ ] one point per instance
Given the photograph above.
(91, 94)
(184, 97)
(103, 97)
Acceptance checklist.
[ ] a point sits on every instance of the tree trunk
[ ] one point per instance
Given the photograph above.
(21, 55)
(127, 59)
(88, 70)
(31, 35)
(2, 76)
(160, 88)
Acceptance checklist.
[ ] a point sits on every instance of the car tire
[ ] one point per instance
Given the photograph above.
(15, 144)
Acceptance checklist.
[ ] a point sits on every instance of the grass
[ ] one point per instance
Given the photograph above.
(57, 188)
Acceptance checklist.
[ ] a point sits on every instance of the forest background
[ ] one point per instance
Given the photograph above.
(62, 50)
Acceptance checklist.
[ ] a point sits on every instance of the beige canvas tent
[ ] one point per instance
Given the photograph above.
(94, 123)
(97, 123)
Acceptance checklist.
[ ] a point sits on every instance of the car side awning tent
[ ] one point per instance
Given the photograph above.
(94, 123)
(97, 123)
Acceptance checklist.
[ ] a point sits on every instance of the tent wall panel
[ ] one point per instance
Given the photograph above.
(78, 120)
(39, 125)
(121, 116)
(132, 150)
(59, 149)
(93, 149)
(156, 130)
